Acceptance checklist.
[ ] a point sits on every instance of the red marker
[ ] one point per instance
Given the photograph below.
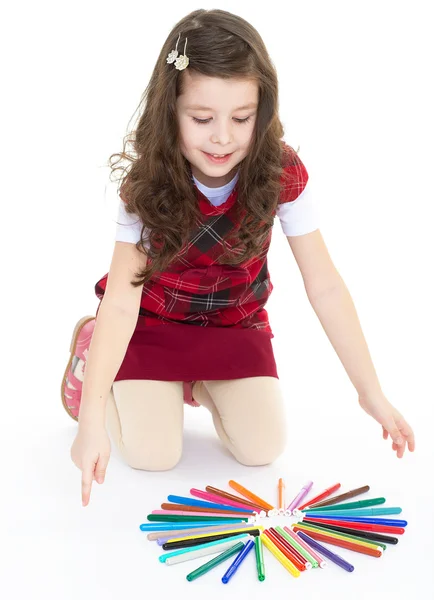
(324, 494)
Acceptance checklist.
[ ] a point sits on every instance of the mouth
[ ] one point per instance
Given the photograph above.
(218, 158)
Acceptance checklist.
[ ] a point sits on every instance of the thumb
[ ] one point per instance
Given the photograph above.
(101, 468)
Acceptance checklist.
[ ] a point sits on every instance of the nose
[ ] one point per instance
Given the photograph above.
(222, 133)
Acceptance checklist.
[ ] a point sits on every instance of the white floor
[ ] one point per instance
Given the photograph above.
(54, 548)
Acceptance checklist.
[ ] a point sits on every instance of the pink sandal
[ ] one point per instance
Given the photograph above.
(72, 381)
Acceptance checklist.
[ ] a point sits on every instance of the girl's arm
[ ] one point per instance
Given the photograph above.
(114, 327)
(335, 309)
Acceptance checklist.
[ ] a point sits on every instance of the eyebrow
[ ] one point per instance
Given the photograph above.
(197, 107)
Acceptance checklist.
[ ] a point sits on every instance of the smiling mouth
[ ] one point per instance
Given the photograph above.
(218, 155)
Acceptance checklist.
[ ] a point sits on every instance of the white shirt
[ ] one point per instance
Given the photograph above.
(297, 217)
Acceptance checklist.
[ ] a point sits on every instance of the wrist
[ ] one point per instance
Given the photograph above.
(91, 418)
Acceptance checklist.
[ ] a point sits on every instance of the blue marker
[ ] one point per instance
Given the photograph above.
(239, 559)
(373, 521)
(203, 504)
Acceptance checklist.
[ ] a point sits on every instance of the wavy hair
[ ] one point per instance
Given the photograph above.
(157, 182)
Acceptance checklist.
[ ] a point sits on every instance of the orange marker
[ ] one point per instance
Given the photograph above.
(250, 495)
(281, 488)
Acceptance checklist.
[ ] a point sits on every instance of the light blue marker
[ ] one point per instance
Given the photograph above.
(357, 512)
(167, 555)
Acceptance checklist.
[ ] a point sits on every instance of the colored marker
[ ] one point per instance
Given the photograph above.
(342, 543)
(191, 533)
(181, 518)
(349, 537)
(231, 497)
(279, 555)
(281, 490)
(321, 562)
(172, 545)
(298, 547)
(358, 512)
(346, 496)
(208, 536)
(299, 497)
(348, 505)
(290, 552)
(190, 513)
(212, 507)
(356, 525)
(215, 561)
(170, 526)
(212, 497)
(216, 546)
(386, 539)
(239, 559)
(321, 496)
(370, 520)
(205, 504)
(338, 560)
(259, 552)
(155, 535)
(250, 495)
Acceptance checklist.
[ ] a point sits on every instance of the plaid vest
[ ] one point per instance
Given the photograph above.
(195, 290)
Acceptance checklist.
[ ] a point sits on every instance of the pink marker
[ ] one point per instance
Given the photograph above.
(319, 559)
(188, 513)
(214, 498)
(299, 497)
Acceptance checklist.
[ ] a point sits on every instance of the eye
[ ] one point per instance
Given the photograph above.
(204, 121)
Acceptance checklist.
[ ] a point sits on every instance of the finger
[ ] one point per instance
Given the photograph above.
(101, 468)
(394, 432)
(385, 434)
(407, 432)
(86, 484)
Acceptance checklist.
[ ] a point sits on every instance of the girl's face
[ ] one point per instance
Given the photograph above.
(223, 105)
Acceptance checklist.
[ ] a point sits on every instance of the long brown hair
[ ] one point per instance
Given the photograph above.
(158, 185)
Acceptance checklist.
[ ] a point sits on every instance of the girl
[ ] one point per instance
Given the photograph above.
(181, 315)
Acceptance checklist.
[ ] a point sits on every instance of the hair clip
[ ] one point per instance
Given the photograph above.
(181, 62)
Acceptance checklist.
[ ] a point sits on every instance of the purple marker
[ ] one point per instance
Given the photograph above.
(298, 499)
(326, 552)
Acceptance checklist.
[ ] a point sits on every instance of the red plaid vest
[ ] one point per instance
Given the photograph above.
(195, 290)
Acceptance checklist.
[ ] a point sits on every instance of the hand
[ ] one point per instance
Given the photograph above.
(90, 452)
(391, 420)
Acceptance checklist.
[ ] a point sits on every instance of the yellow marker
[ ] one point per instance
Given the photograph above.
(205, 535)
(279, 555)
(339, 536)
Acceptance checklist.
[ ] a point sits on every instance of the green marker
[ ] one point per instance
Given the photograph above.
(180, 518)
(259, 558)
(297, 546)
(348, 505)
(215, 561)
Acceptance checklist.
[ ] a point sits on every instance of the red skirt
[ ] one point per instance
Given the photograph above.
(180, 352)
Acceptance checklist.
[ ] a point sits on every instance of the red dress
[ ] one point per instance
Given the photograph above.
(200, 320)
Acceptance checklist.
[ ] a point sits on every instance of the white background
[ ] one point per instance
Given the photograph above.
(356, 95)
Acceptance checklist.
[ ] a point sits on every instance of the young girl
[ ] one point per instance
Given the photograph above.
(181, 315)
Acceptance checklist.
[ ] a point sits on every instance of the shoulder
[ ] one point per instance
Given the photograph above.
(294, 177)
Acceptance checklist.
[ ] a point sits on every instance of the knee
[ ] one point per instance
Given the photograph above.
(263, 448)
(160, 458)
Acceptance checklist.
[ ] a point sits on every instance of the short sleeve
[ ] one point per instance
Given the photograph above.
(297, 211)
(128, 227)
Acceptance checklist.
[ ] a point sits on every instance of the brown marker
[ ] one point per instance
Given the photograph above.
(337, 499)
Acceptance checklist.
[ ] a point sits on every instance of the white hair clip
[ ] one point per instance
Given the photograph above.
(181, 62)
